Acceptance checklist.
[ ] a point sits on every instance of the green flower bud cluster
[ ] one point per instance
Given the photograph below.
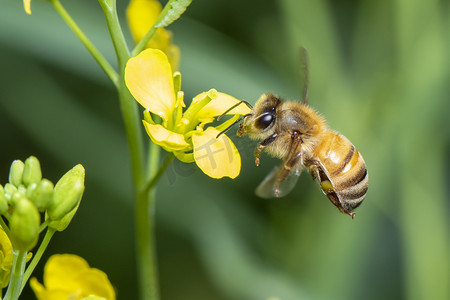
(27, 195)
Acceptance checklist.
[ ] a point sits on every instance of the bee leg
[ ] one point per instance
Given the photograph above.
(263, 145)
(294, 157)
(282, 175)
(314, 171)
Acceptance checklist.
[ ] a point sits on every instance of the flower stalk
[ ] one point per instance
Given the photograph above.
(103, 63)
(15, 285)
(37, 256)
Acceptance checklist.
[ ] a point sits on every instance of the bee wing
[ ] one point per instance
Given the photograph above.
(266, 189)
(304, 73)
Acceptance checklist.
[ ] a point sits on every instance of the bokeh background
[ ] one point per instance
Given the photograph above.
(379, 74)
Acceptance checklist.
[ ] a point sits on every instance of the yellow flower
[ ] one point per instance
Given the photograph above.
(150, 80)
(6, 259)
(27, 6)
(68, 276)
(141, 15)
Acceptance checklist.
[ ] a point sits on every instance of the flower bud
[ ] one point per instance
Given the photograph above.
(3, 201)
(24, 225)
(32, 171)
(15, 198)
(30, 190)
(9, 191)
(67, 193)
(41, 194)
(16, 172)
(62, 223)
(22, 189)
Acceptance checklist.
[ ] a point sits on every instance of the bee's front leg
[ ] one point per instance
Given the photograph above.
(263, 145)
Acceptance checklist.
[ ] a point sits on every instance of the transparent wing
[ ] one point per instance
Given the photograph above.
(266, 189)
(304, 73)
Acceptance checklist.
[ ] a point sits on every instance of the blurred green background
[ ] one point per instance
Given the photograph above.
(379, 73)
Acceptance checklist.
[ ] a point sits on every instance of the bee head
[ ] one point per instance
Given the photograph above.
(263, 116)
(261, 119)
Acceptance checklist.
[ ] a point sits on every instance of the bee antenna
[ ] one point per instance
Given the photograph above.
(232, 124)
(233, 107)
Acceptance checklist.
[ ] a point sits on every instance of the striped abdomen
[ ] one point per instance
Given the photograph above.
(341, 171)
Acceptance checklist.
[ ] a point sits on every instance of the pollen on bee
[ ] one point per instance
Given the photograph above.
(326, 186)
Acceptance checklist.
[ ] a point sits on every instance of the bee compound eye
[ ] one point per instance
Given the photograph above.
(264, 121)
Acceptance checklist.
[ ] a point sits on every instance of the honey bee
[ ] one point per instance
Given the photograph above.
(297, 134)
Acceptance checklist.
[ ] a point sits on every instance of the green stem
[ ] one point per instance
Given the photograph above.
(150, 185)
(145, 230)
(37, 257)
(128, 105)
(107, 68)
(145, 201)
(154, 152)
(15, 283)
(133, 128)
(112, 20)
(143, 42)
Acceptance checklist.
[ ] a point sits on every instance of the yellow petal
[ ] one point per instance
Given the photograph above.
(43, 294)
(170, 140)
(6, 259)
(185, 157)
(149, 78)
(217, 158)
(92, 297)
(68, 276)
(173, 53)
(27, 6)
(37, 288)
(61, 272)
(141, 14)
(218, 106)
(96, 282)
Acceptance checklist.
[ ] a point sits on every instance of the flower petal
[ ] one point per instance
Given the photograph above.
(217, 158)
(149, 78)
(6, 259)
(44, 294)
(141, 14)
(170, 140)
(96, 282)
(62, 271)
(68, 276)
(27, 6)
(218, 106)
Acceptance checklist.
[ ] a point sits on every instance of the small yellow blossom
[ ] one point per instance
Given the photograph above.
(68, 276)
(150, 80)
(27, 6)
(6, 259)
(141, 15)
